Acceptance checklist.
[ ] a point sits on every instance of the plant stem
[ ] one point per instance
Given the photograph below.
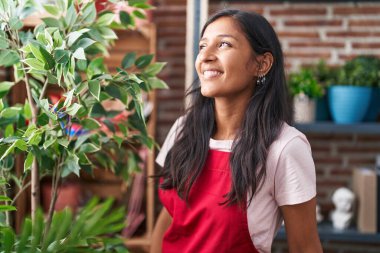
(20, 192)
(44, 89)
(54, 192)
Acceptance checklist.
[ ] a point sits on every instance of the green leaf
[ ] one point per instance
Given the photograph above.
(125, 18)
(1, 104)
(144, 61)
(9, 131)
(107, 33)
(128, 60)
(51, 22)
(90, 124)
(15, 23)
(5, 208)
(4, 198)
(35, 138)
(28, 162)
(94, 87)
(83, 43)
(69, 97)
(8, 58)
(139, 14)
(8, 239)
(5, 87)
(88, 148)
(3, 43)
(71, 16)
(89, 13)
(35, 64)
(74, 36)
(63, 142)
(105, 19)
(142, 6)
(79, 54)
(71, 165)
(61, 56)
(10, 112)
(155, 68)
(27, 110)
(157, 83)
(52, 9)
(49, 142)
(73, 109)
(81, 139)
(48, 59)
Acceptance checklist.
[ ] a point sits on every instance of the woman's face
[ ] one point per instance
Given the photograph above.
(225, 63)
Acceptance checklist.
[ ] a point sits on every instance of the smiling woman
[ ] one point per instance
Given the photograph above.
(233, 167)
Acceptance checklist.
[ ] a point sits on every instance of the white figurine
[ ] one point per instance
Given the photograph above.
(343, 199)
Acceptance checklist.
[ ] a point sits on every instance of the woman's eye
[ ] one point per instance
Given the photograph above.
(224, 44)
(201, 46)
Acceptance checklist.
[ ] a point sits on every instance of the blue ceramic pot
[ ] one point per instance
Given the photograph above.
(348, 104)
(374, 106)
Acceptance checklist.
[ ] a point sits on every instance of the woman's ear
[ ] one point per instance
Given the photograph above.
(265, 63)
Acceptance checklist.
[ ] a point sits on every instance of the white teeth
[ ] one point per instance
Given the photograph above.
(211, 73)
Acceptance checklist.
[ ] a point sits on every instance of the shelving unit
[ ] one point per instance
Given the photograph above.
(142, 41)
(329, 127)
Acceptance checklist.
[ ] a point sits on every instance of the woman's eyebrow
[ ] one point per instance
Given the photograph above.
(222, 36)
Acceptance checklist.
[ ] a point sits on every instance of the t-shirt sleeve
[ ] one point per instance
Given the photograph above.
(169, 141)
(295, 179)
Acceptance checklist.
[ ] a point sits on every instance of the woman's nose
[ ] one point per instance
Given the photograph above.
(207, 54)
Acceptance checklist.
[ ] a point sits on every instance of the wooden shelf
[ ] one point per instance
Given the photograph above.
(333, 128)
(327, 233)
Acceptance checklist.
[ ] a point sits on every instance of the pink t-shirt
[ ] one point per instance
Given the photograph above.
(290, 180)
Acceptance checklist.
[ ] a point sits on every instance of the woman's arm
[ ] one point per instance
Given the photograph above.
(301, 227)
(163, 222)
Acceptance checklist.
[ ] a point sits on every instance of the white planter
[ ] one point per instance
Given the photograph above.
(304, 109)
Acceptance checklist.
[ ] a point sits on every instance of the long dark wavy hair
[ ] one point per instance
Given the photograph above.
(266, 112)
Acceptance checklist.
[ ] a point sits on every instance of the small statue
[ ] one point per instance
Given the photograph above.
(343, 199)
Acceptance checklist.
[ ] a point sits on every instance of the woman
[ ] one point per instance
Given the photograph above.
(233, 168)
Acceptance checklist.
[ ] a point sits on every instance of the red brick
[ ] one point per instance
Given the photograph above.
(317, 44)
(297, 34)
(347, 34)
(328, 160)
(364, 23)
(341, 172)
(366, 45)
(308, 54)
(356, 10)
(298, 11)
(361, 161)
(316, 23)
(358, 149)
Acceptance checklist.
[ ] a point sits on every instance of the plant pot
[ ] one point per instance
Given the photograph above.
(69, 195)
(348, 104)
(374, 106)
(322, 111)
(304, 109)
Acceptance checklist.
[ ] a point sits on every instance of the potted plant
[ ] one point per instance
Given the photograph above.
(349, 96)
(58, 138)
(305, 89)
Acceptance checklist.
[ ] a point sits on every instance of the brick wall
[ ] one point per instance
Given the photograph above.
(170, 19)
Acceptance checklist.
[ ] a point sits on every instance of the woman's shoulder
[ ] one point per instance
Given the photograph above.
(290, 138)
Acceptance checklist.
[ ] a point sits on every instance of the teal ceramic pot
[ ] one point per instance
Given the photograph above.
(374, 106)
(348, 104)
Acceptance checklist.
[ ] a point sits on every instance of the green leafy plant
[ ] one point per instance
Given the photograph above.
(360, 71)
(305, 82)
(91, 230)
(75, 132)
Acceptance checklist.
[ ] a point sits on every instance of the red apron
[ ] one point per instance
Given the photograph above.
(204, 225)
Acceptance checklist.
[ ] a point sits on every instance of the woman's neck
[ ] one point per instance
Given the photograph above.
(228, 119)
